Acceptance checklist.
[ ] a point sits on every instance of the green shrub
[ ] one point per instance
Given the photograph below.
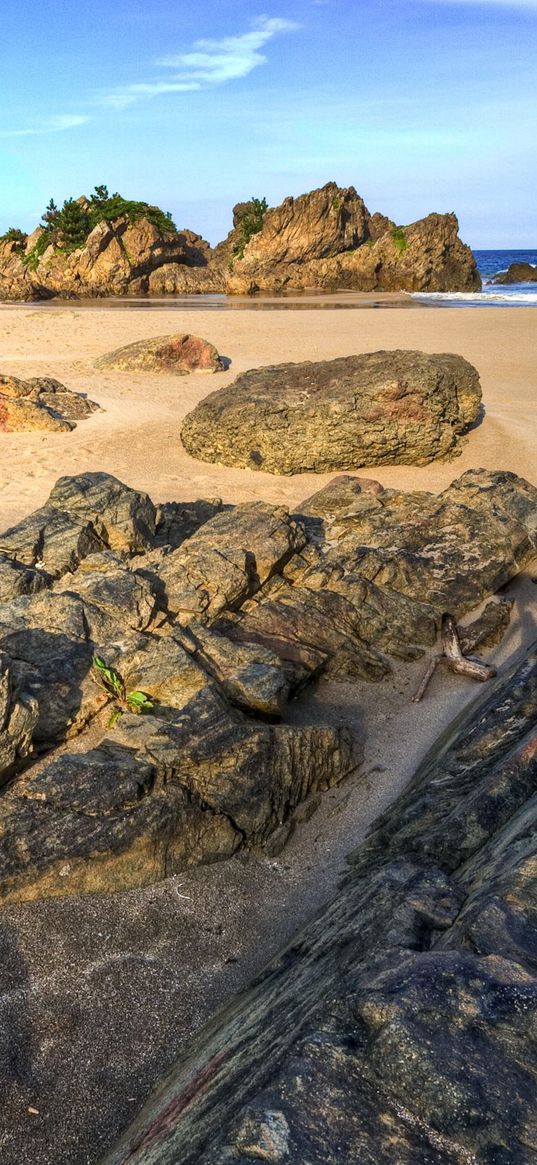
(111, 681)
(399, 238)
(14, 235)
(250, 224)
(67, 229)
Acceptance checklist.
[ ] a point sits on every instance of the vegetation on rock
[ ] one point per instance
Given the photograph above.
(251, 224)
(67, 229)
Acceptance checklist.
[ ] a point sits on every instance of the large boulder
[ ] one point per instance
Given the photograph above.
(40, 404)
(381, 408)
(180, 354)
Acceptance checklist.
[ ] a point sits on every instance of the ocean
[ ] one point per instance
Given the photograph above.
(492, 295)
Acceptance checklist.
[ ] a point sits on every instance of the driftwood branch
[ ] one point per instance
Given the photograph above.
(453, 657)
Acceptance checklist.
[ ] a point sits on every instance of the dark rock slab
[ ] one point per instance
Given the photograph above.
(382, 408)
(398, 1025)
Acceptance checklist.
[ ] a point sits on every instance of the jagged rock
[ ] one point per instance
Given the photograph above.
(40, 403)
(398, 1025)
(517, 273)
(328, 239)
(83, 515)
(380, 408)
(179, 354)
(228, 559)
(118, 258)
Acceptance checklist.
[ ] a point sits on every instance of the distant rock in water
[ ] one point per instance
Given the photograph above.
(517, 273)
(40, 403)
(324, 239)
(381, 408)
(179, 354)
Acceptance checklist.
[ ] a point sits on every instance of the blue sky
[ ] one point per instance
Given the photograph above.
(421, 104)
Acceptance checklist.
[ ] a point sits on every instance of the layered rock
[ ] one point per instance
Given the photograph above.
(217, 617)
(180, 354)
(517, 273)
(380, 408)
(40, 403)
(327, 239)
(398, 1025)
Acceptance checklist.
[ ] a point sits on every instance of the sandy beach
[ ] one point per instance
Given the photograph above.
(140, 971)
(136, 436)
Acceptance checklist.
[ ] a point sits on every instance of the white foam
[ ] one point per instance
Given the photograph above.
(478, 298)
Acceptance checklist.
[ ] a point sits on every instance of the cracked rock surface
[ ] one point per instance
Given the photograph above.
(219, 615)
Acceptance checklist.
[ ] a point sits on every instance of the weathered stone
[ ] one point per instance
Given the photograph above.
(41, 403)
(380, 408)
(327, 239)
(399, 1023)
(229, 558)
(83, 515)
(18, 718)
(251, 676)
(180, 354)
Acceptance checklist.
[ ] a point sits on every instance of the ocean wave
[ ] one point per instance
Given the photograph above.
(478, 298)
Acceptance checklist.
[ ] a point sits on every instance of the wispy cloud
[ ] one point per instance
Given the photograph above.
(208, 63)
(53, 125)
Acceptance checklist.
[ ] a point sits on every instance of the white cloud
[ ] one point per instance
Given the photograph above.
(209, 62)
(52, 125)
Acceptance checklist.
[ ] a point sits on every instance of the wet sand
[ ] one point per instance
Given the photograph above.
(104, 991)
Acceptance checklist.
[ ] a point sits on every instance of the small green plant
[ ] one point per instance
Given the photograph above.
(399, 238)
(250, 224)
(111, 681)
(336, 202)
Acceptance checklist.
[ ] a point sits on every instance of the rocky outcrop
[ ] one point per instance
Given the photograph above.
(381, 408)
(40, 403)
(180, 354)
(324, 239)
(517, 273)
(216, 617)
(327, 239)
(397, 1026)
(118, 258)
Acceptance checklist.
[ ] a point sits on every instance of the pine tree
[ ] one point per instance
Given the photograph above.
(73, 225)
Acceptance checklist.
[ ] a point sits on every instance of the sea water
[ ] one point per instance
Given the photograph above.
(491, 263)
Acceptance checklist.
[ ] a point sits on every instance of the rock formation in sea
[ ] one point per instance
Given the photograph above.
(210, 619)
(40, 403)
(381, 408)
(517, 273)
(324, 239)
(398, 1026)
(179, 354)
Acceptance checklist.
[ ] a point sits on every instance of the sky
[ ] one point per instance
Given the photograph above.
(421, 105)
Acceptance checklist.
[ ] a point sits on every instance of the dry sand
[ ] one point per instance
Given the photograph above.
(105, 991)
